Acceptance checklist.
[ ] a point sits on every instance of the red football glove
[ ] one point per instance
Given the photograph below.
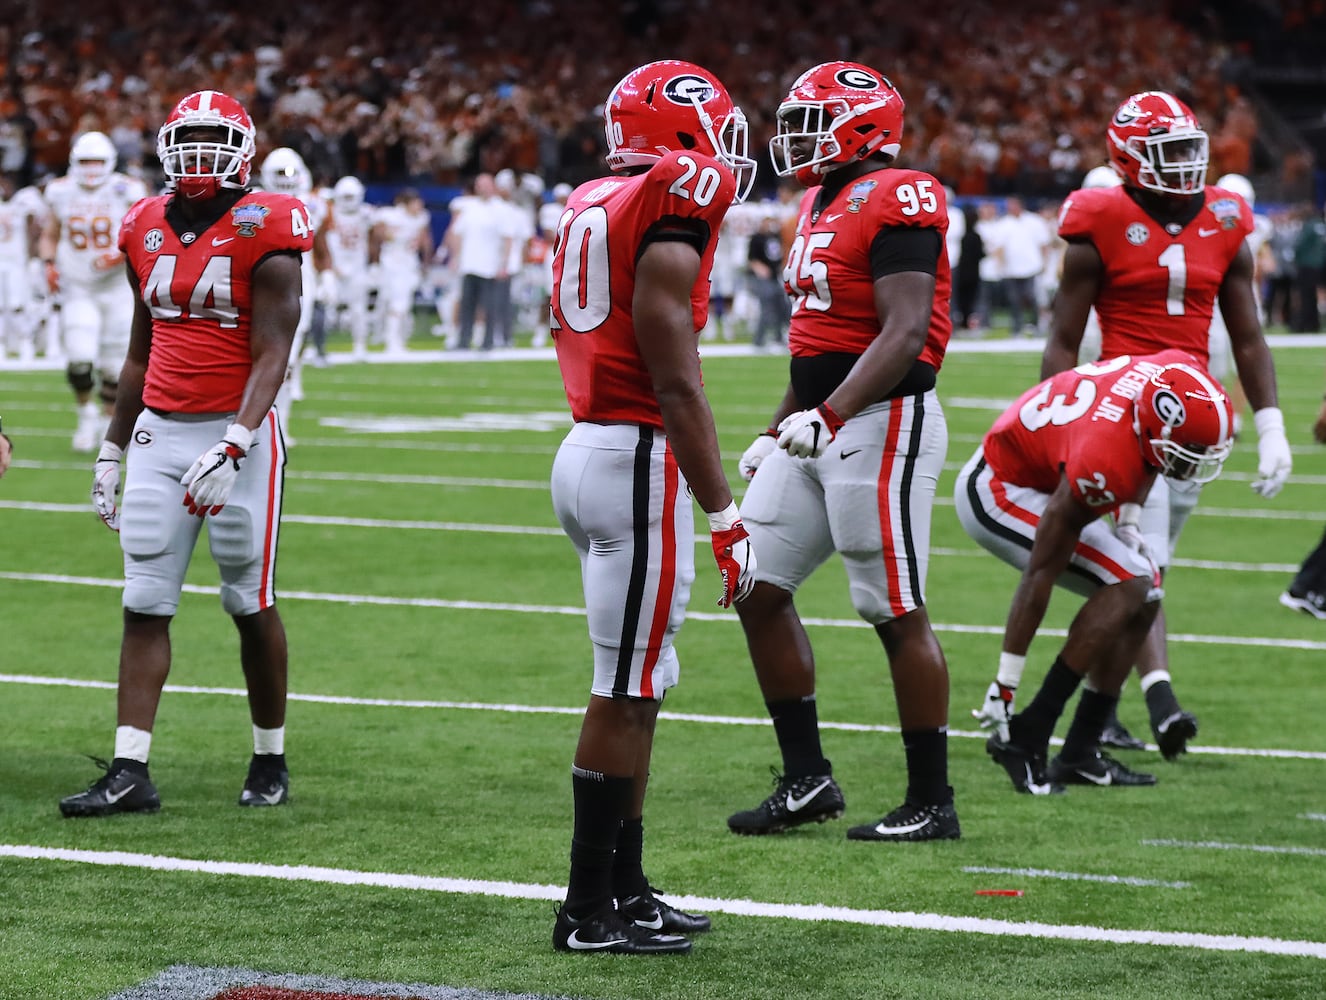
(733, 553)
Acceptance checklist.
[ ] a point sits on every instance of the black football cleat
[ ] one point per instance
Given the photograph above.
(649, 912)
(268, 783)
(1173, 732)
(1025, 768)
(912, 822)
(1309, 602)
(1102, 770)
(608, 930)
(1117, 737)
(121, 789)
(811, 798)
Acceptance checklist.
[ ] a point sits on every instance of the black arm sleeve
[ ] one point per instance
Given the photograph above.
(896, 249)
(676, 227)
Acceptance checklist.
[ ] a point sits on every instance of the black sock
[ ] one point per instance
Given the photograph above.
(1093, 711)
(1034, 725)
(132, 766)
(600, 802)
(1160, 702)
(797, 726)
(927, 766)
(628, 875)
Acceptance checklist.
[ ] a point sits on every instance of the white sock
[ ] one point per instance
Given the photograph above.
(132, 744)
(1153, 678)
(269, 740)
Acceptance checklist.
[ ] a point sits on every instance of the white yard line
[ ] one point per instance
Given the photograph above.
(701, 538)
(518, 709)
(1216, 845)
(1151, 883)
(809, 912)
(1319, 817)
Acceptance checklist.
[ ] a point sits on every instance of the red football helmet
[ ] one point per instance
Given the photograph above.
(1156, 142)
(1185, 423)
(848, 111)
(206, 144)
(673, 105)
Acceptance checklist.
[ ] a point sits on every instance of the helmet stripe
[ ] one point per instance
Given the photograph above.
(1174, 106)
(1209, 385)
(205, 100)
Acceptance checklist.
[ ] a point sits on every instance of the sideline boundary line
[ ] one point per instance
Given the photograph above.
(813, 912)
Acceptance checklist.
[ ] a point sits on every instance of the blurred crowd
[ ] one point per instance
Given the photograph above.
(1002, 97)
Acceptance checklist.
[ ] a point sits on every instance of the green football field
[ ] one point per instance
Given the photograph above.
(439, 667)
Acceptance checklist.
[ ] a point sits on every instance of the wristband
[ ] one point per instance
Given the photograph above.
(1129, 514)
(831, 419)
(1011, 666)
(723, 520)
(1267, 419)
(240, 436)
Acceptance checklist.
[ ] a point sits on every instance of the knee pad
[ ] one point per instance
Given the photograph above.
(871, 605)
(79, 374)
(237, 602)
(109, 387)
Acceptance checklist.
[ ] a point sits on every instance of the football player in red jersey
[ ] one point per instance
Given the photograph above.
(1153, 255)
(631, 263)
(1071, 449)
(215, 270)
(854, 450)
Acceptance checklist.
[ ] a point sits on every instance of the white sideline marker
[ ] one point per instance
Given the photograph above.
(1149, 883)
(1319, 817)
(817, 913)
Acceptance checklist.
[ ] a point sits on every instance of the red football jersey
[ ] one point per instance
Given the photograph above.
(198, 287)
(1081, 422)
(828, 274)
(1159, 288)
(599, 238)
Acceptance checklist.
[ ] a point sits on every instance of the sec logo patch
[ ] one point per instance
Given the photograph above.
(153, 240)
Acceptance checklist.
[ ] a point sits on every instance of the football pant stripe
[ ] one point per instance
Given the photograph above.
(635, 590)
(667, 577)
(275, 495)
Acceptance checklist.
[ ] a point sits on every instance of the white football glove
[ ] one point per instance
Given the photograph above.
(212, 476)
(1128, 527)
(806, 433)
(106, 484)
(733, 553)
(760, 449)
(996, 710)
(1274, 461)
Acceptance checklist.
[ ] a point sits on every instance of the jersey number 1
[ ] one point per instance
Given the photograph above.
(1175, 262)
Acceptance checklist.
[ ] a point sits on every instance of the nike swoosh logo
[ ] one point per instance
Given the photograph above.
(220, 243)
(654, 925)
(796, 805)
(899, 830)
(271, 799)
(828, 219)
(1032, 786)
(1103, 779)
(1207, 232)
(573, 941)
(112, 799)
(849, 454)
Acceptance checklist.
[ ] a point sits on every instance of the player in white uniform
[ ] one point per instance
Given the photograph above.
(85, 269)
(1222, 360)
(347, 242)
(399, 243)
(18, 245)
(284, 172)
(43, 327)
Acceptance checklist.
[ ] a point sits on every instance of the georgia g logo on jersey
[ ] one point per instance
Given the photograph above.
(688, 90)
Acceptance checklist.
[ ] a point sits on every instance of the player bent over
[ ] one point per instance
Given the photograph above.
(1087, 442)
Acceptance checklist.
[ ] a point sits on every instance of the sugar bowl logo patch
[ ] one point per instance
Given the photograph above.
(1137, 234)
(248, 219)
(153, 240)
(858, 195)
(1226, 212)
